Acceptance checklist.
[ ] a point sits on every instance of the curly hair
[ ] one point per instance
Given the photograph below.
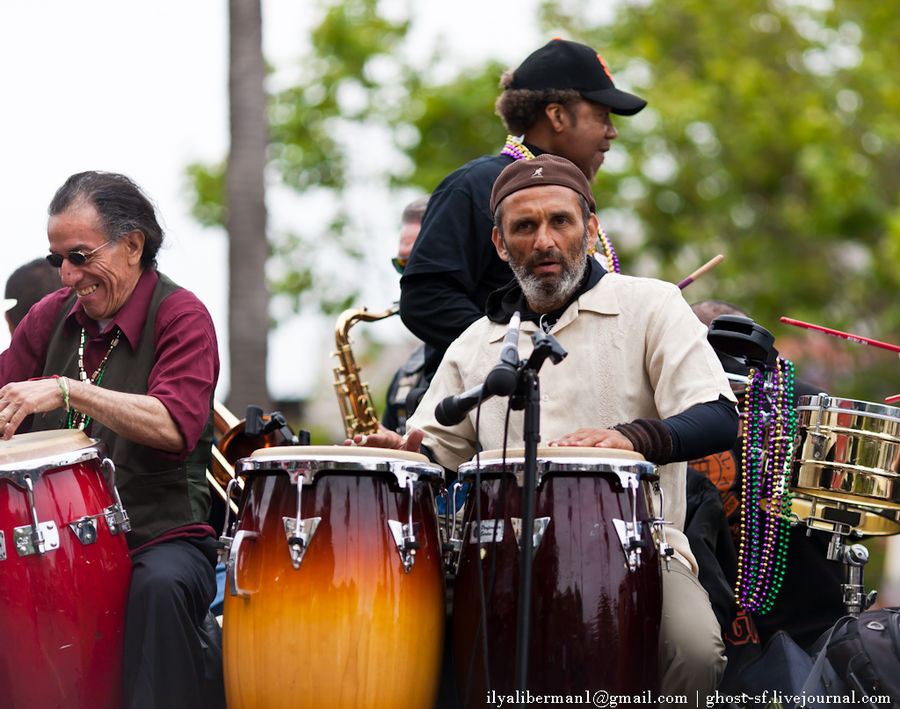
(520, 109)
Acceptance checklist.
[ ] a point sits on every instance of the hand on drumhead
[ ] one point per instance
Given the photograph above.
(594, 438)
(19, 399)
(386, 438)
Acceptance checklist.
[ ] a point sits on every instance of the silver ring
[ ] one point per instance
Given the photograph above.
(363, 439)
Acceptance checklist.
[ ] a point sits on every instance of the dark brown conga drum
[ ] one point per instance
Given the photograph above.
(595, 606)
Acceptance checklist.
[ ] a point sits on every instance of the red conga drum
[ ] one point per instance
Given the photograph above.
(64, 574)
(335, 593)
(596, 589)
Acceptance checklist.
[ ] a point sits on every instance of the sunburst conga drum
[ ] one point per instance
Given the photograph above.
(847, 452)
(335, 591)
(64, 574)
(596, 590)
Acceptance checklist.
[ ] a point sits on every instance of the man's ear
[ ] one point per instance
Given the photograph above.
(499, 245)
(134, 245)
(593, 227)
(557, 116)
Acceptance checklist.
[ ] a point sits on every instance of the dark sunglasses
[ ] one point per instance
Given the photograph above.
(76, 258)
(399, 264)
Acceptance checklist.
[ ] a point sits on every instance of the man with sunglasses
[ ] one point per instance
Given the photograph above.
(129, 357)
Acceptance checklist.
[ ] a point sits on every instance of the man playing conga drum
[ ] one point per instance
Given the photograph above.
(130, 358)
(639, 376)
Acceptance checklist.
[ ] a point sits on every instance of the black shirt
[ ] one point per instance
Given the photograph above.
(454, 265)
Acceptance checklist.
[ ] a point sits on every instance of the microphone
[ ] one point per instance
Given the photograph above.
(504, 377)
(501, 380)
(453, 409)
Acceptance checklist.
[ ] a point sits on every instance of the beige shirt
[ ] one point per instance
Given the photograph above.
(635, 350)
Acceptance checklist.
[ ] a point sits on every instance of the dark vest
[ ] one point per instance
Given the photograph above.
(158, 493)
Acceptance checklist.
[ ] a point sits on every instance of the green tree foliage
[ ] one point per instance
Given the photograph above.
(772, 136)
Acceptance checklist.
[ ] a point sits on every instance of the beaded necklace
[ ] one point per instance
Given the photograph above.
(76, 418)
(517, 150)
(769, 429)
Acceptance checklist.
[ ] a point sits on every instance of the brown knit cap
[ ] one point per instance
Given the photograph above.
(545, 169)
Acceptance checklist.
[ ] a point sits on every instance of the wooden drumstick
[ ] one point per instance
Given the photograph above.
(847, 336)
(715, 261)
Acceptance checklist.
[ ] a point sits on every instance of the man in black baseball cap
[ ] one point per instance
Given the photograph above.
(560, 101)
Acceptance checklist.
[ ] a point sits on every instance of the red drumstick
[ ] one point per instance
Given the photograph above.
(892, 399)
(837, 333)
(714, 261)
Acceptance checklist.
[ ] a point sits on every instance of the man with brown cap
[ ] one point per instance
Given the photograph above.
(560, 101)
(639, 375)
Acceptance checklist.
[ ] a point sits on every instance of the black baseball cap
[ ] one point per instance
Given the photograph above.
(561, 64)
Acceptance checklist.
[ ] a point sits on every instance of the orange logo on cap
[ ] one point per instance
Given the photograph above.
(605, 68)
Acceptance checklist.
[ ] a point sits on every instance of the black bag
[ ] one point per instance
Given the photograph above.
(782, 669)
(863, 657)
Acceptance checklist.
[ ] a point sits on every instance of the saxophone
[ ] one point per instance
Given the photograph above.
(357, 411)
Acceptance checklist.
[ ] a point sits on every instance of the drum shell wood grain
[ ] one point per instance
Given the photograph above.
(63, 612)
(594, 623)
(349, 628)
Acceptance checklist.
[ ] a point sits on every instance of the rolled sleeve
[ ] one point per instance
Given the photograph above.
(186, 370)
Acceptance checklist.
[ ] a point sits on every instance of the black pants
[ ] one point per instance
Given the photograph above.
(166, 658)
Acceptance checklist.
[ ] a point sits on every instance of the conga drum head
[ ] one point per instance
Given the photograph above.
(337, 452)
(560, 452)
(28, 447)
(847, 451)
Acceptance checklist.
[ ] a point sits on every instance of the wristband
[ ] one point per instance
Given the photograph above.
(63, 385)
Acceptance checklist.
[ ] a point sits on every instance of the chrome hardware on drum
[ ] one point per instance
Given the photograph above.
(335, 588)
(833, 516)
(847, 451)
(597, 593)
(64, 573)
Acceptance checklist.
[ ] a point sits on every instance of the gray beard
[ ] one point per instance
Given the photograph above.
(544, 295)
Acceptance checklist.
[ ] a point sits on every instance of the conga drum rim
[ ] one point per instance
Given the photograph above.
(581, 460)
(561, 452)
(309, 461)
(36, 452)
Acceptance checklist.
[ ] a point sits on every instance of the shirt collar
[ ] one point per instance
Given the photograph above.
(131, 317)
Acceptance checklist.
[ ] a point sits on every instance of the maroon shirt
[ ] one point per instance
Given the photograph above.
(186, 355)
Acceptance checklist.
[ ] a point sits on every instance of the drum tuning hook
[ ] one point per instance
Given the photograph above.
(116, 515)
(299, 531)
(405, 534)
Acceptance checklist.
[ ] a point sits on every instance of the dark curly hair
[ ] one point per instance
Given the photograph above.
(121, 204)
(520, 109)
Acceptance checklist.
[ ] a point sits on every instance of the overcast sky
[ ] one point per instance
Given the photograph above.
(141, 88)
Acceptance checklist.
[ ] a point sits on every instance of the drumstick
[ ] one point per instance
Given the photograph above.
(892, 399)
(715, 261)
(837, 333)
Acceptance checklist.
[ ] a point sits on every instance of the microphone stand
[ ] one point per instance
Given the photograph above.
(528, 397)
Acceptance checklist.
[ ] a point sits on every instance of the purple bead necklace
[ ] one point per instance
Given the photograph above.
(766, 457)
